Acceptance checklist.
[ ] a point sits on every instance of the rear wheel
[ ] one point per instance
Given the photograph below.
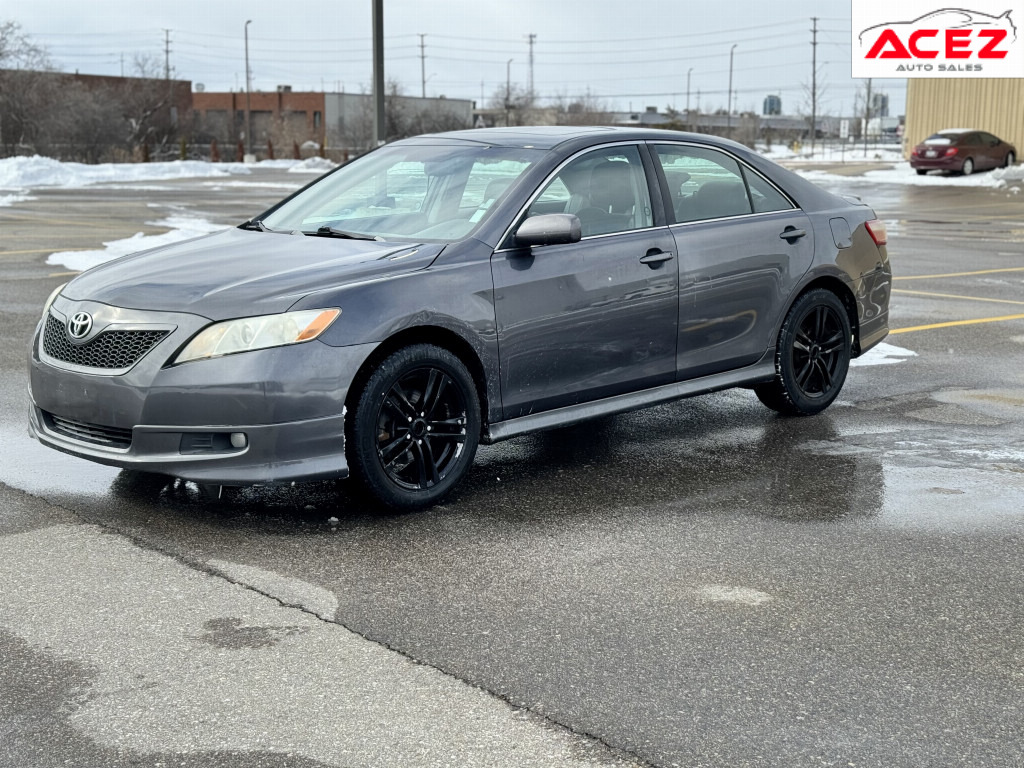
(416, 427)
(968, 167)
(1011, 159)
(812, 356)
(921, 171)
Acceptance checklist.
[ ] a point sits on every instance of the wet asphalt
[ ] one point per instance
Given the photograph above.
(697, 584)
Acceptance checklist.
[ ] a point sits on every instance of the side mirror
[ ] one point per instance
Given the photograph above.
(549, 229)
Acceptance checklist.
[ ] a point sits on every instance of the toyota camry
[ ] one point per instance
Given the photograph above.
(459, 288)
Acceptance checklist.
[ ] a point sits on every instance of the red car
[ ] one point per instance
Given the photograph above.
(962, 150)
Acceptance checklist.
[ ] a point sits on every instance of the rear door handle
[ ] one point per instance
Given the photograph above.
(654, 258)
(791, 233)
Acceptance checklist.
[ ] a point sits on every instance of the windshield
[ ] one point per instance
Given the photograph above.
(408, 192)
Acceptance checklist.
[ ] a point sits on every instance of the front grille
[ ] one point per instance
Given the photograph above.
(111, 350)
(113, 437)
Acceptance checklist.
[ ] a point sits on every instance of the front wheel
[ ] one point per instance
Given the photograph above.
(1011, 159)
(968, 167)
(812, 356)
(416, 427)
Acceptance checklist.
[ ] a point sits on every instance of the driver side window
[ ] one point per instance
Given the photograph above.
(606, 189)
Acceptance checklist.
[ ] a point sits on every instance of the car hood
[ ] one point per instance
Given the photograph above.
(238, 272)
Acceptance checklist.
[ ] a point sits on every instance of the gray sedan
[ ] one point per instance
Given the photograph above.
(460, 288)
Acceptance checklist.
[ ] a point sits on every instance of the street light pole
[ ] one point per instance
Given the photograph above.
(248, 87)
(728, 107)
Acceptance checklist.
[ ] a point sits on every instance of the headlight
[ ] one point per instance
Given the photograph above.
(53, 298)
(248, 333)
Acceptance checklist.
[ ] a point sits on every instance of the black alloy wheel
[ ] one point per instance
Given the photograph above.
(812, 357)
(416, 428)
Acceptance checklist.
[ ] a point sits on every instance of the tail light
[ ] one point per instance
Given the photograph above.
(951, 151)
(915, 151)
(877, 231)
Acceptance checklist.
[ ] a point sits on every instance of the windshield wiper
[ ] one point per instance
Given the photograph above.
(332, 232)
(257, 225)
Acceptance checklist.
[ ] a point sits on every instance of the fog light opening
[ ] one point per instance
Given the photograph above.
(239, 440)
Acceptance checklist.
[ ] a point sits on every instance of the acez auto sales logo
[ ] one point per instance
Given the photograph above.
(923, 40)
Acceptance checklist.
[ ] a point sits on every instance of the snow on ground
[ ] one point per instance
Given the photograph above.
(833, 153)
(21, 173)
(181, 228)
(883, 354)
(1010, 179)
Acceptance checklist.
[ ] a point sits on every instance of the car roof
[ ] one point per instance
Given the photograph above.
(552, 136)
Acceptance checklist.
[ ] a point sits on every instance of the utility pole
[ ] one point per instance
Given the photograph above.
(508, 90)
(531, 38)
(688, 72)
(867, 117)
(167, 54)
(248, 99)
(172, 113)
(728, 106)
(423, 65)
(814, 83)
(379, 126)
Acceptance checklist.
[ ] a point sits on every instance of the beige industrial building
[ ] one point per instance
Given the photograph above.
(988, 104)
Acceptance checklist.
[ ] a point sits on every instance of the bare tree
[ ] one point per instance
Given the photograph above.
(583, 109)
(517, 102)
(27, 93)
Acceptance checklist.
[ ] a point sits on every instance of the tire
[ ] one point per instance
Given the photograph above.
(921, 171)
(968, 167)
(415, 428)
(812, 357)
(1011, 159)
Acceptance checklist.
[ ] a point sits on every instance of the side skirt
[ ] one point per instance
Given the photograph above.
(761, 371)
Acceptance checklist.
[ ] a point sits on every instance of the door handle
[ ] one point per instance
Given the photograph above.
(791, 233)
(654, 258)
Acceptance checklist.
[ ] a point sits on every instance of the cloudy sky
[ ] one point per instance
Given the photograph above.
(626, 54)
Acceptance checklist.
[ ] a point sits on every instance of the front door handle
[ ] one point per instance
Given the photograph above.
(791, 233)
(653, 259)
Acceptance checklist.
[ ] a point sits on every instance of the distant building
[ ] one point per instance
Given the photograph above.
(880, 104)
(772, 105)
(342, 122)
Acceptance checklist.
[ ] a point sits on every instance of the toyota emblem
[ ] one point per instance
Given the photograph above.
(79, 325)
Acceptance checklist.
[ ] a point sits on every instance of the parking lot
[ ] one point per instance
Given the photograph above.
(698, 584)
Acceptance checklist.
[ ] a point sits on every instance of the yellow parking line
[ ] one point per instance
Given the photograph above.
(959, 274)
(955, 296)
(957, 322)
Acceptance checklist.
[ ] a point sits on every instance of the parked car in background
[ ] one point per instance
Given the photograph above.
(459, 288)
(962, 150)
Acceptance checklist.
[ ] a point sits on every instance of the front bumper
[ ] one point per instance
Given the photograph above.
(289, 402)
(274, 453)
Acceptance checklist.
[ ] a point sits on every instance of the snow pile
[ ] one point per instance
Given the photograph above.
(181, 228)
(883, 354)
(1003, 178)
(834, 153)
(312, 165)
(36, 171)
(8, 200)
(1011, 179)
(21, 173)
